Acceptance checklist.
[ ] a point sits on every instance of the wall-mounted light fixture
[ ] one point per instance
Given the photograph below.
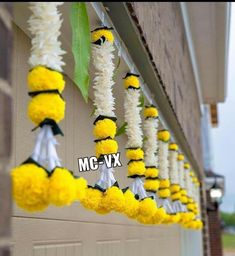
(215, 190)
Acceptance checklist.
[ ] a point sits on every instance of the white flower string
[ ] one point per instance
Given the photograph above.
(103, 61)
(44, 25)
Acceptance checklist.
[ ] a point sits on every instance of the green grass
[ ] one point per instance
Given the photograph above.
(228, 241)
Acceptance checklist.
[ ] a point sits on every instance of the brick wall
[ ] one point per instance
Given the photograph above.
(214, 227)
(162, 32)
(5, 124)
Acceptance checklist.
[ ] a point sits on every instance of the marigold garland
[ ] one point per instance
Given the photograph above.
(165, 163)
(62, 187)
(33, 189)
(136, 166)
(111, 198)
(30, 187)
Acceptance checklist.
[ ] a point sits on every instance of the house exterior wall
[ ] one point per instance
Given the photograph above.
(162, 31)
(73, 230)
(5, 125)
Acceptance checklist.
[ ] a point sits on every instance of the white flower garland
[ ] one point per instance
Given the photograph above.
(102, 56)
(103, 61)
(181, 173)
(173, 167)
(44, 25)
(188, 183)
(163, 160)
(150, 144)
(133, 119)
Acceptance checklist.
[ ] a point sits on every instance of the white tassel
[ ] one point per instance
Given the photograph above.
(137, 187)
(38, 145)
(106, 177)
(166, 204)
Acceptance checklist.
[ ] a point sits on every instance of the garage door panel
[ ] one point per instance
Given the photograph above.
(40, 237)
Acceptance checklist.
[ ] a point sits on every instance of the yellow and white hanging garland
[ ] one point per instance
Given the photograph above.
(41, 180)
(174, 179)
(164, 192)
(105, 196)
(193, 201)
(151, 183)
(134, 152)
(174, 176)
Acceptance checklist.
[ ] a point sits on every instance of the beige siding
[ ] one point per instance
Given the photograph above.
(72, 230)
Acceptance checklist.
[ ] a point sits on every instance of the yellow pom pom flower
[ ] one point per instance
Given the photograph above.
(145, 220)
(41, 78)
(147, 208)
(151, 172)
(136, 168)
(187, 166)
(199, 224)
(30, 187)
(134, 154)
(101, 209)
(175, 196)
(102, 32)
(172, 218)
(167, 220)
(159, 216)
(183, 199)
(46, 105)
(180, 157)
(113, 199)
(183, 192)
(151, 185)
(164, 135)
(175, 218)
(190, 200)
(174, 188)
(92, 199)
(62, 187)
(190, 206)
(131, 81)
(173, 147)
(150, 111)
(81, 186)
(131, 204)
(164, 183)
(191, 173)
(108, 146)
(164, 193)
(186, 217)
(105, 128)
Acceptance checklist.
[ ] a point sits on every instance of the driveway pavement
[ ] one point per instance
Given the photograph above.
(229, 253)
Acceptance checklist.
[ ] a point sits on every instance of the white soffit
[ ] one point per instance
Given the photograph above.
(209, 28)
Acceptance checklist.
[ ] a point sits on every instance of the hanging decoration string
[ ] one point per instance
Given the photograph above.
(105, 196)
(41, 180)
(151, 183)
(134, 152)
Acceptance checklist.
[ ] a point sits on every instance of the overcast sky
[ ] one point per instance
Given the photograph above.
(223, 137)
